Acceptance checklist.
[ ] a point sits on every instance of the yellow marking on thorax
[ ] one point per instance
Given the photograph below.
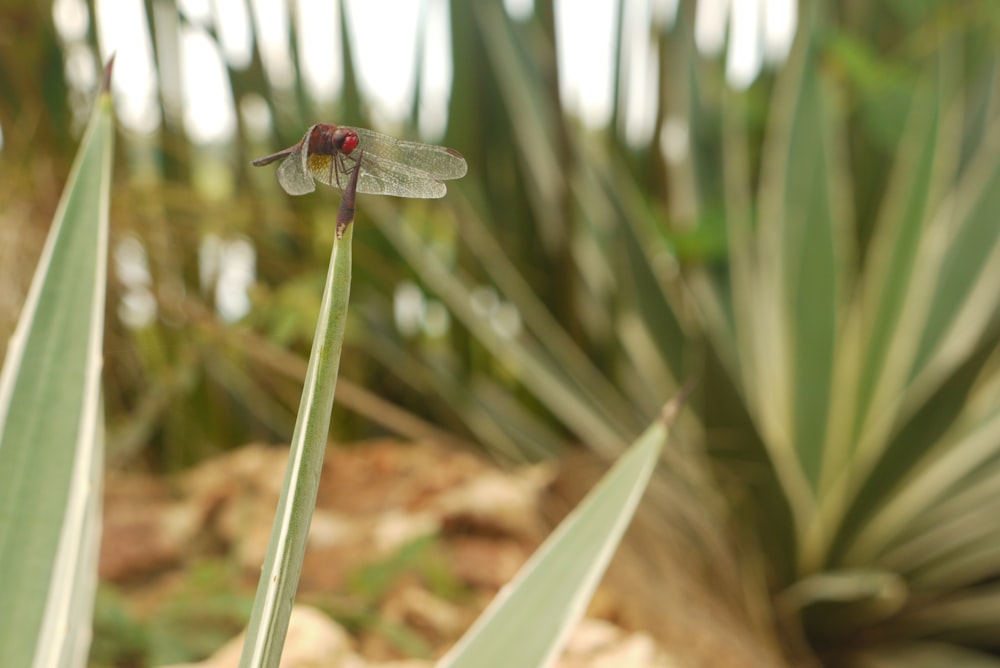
(319, 163)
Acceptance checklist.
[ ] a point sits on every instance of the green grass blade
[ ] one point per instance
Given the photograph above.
(283, 564)
(529, 620)
(51, 436)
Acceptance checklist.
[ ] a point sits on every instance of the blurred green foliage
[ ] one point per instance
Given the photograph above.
(186, 621)
(629, 273)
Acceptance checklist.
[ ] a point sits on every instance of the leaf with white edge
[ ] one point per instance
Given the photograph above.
(279, 576)
(51, 432)
(531, 618)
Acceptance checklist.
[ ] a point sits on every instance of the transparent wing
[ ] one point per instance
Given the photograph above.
(293, 176)
(426, 160)
(404, 168)
(376, 177)
(390, 167)
(379, 178)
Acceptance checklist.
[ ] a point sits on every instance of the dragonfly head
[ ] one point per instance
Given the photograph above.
(326, 139)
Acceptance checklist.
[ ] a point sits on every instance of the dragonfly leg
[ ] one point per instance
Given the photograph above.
(346, 164)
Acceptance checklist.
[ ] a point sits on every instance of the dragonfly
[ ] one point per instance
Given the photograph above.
(329, 153)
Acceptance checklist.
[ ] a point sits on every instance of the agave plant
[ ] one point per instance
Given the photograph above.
(821, 252)
(51, 423)
(857, 326)
(869, 379)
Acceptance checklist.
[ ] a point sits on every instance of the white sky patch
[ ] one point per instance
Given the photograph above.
(745, 57)
(81, 70)
(674, 140)
(710, 19)
(317, 24)
(196, 11)
(408, 305)
(760, 31)
(641, 71)
(256, 117)
(506, 321)
(71, 19)
(585, 51)
(137, 307)
(384, 41)
(519, 10)
(238, 271)
(436, 72)
(228, 267)
(780, 19)
(271, 26)
(209, 115)
(122, 29)
(166, 24)
(232, 25)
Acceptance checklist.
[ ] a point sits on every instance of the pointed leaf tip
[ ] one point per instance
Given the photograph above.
(673, 407)
(106, 85)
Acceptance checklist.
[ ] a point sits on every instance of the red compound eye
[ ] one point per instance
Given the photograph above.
(350, 142)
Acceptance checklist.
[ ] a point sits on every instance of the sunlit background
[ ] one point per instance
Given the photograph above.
(392, 40)
(793, 203)
(199, 42)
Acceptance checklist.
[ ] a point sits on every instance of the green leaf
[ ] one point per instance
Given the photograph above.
(791, 288)
(837, 603)
(880, 342)
(924, 167)
(279, 577)
(528, 622)
(804, 251)
(51, 425)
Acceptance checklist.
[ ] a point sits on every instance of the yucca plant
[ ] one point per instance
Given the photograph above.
(52, 423)
(858, 328)
(841, 320)
(868, 379)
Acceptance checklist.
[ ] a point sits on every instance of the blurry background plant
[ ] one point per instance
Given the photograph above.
(817, 244)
